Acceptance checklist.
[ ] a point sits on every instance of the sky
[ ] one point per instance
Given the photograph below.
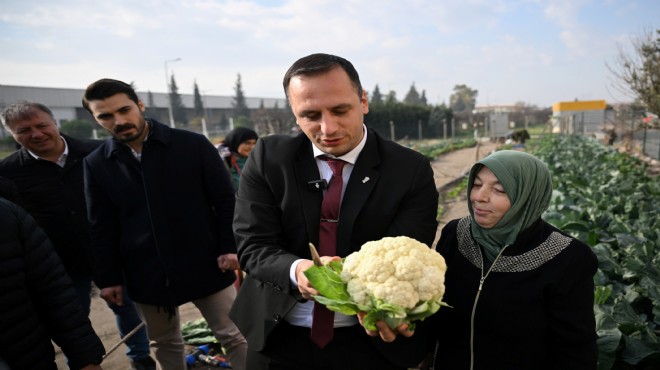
(533, 51)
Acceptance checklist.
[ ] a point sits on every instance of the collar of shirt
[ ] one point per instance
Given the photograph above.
(61, 160)
(350, 158)
(137, 155)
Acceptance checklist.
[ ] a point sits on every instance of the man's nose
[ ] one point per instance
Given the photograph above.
(329, 125)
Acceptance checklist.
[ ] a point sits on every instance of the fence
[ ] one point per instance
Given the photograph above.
(648, 142)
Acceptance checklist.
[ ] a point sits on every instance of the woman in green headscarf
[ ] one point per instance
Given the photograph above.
(521, 290)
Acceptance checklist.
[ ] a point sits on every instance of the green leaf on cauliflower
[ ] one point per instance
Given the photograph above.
(327, 281)
(344, 307)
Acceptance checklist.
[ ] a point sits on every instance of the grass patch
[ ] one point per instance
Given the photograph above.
(449, 195)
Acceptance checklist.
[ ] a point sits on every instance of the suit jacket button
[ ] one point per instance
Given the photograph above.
(277, 317)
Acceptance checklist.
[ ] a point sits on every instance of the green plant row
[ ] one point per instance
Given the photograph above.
(606, 199)
(432, 151)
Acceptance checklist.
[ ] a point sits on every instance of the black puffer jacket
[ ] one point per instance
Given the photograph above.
(37, 301)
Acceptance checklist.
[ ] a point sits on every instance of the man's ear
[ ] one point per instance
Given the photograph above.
(141, 105)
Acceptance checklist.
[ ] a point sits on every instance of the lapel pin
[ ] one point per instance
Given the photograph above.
(364, 180)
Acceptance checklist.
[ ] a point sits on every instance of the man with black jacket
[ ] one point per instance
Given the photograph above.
(48, 175)
(160, 203)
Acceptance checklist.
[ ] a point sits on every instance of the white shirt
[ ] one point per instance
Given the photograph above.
(301, 313)
(61, 160)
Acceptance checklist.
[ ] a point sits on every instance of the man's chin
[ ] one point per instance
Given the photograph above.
(334, 150)
(125, 139)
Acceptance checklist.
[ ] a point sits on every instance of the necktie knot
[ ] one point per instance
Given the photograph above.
(336, 165)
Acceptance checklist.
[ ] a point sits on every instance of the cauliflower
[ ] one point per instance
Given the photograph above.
(396, 279)
(398, 270)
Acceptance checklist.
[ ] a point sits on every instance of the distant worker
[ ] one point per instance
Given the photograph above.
(520, 136)
(611, 136)
(235, 149)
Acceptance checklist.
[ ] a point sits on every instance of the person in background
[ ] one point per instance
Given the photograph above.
(37, 300)
(160, 204)
(521, 291)
(48, 175)
(283, 204)
(235, 149)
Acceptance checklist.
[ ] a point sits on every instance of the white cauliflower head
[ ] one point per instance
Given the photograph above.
(398, 270)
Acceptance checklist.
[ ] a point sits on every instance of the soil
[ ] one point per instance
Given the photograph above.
(447, 169)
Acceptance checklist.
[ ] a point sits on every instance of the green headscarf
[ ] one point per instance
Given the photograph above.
(528, 185)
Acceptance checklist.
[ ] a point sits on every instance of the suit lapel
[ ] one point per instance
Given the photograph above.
(362, 182)
(305, 170)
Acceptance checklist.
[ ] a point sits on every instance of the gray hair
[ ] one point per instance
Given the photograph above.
(22, 110)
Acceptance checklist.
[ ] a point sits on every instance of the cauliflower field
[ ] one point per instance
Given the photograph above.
(607, 200)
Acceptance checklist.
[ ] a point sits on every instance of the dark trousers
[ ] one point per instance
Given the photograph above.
(289, 348)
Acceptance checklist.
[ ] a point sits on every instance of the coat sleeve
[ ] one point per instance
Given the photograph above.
(104, 230)
(571, 321)
(220, 191)
(54, 298)
(262, 246)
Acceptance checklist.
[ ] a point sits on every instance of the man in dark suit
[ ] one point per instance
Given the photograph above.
(388, 190)
(47, 173)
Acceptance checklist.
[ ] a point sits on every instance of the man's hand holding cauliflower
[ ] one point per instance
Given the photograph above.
(389, 284)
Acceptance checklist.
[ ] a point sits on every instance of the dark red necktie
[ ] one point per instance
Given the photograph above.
(323, 319)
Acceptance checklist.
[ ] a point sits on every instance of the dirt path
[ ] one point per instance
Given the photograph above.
(447, 168)
(103, 321)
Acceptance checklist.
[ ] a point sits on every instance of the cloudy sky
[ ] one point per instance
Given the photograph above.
(535, 51)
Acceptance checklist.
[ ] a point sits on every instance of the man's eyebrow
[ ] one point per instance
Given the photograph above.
(341, 106)
(307, 111)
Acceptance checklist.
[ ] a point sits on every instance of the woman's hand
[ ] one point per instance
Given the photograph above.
(384, 331)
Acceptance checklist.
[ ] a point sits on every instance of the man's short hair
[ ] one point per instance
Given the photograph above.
(22, 110)
(105, 88)
(319, 63)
